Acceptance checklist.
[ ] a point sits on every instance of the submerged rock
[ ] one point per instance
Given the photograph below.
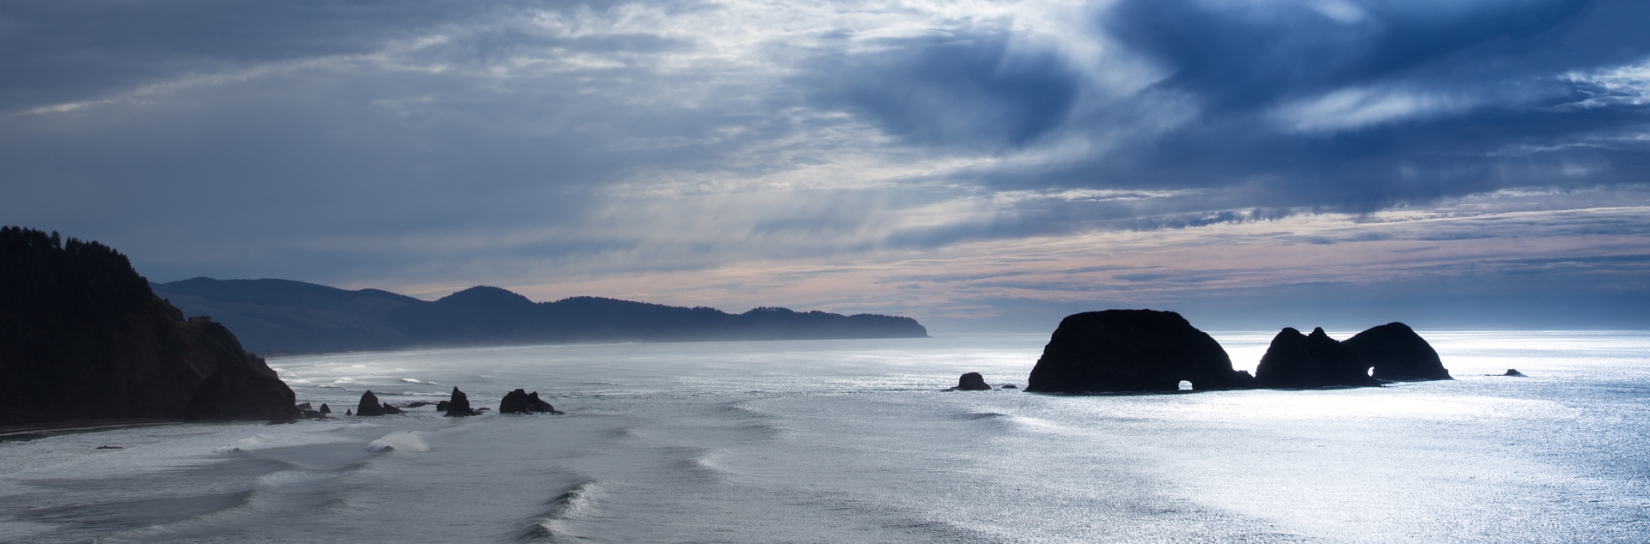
(313, 414)
(459, 405)
(971, 381)
(1298, 361)
(1514, 372)
(369, 405)
(1132, 350)
(1009, 386)
(1396, 353)
(391, 409)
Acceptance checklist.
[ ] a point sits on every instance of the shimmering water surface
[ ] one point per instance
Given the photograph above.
(854, 441)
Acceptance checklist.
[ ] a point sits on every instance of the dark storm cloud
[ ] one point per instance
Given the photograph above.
(1358, 106)
(961, 87)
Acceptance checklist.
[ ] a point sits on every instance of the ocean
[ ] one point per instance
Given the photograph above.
(857, 441)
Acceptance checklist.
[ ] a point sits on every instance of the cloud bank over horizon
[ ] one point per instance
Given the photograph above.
(949, 160)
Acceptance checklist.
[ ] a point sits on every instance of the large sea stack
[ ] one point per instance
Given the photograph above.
(1298, 361)
(1132, 350)
(971, 381)
(83, 337)
(1396, 353)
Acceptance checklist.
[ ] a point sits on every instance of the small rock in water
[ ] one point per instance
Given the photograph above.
(305, 406)
(441, 406)
(391, 409)
(312, 414)
(109, 447)
(459, 406)
(324, 409)
(347, 412)
(1513, 372)
(536, 404)
(522, 402)
(1009, 386)
(369, 405)
(971, 381)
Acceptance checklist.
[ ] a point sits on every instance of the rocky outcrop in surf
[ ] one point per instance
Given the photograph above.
(83, 337)
(369, 405)
(459, 405)
(1396, 353)
(1299, 361)
(522, 402)
(1132, 350)
(971, 381)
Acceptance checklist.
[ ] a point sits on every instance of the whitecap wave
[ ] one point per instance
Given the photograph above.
(573, 502)
(400, 441)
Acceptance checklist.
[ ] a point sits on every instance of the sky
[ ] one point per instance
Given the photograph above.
(978, 165)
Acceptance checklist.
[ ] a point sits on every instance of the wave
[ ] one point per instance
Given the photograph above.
(400, 441)
(551, 524)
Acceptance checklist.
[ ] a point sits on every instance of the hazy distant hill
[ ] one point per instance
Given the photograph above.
(281, 316)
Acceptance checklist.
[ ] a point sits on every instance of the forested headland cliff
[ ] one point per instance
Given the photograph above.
(83, 337)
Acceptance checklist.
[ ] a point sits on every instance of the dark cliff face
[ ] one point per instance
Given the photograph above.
(85, 338)
(1131, 350)
(1298, 361)
(1396, 353)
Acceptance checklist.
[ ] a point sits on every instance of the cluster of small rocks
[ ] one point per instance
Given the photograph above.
(458, 405)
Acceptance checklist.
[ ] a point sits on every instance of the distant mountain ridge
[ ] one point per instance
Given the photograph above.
(273, 316)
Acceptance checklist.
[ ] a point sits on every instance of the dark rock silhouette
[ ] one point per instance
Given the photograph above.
(1513, 372)
(325, 409)
(280, 316)
(442, 406)
(369, 405)
(1398, 354)
(1132, 350)
(83, 337)
(417, 403)
(459, 405)
(1298, 361)
(313, 414)
(971, 381)
(536, 404)
(522, 402)
(1010, 386)
(348, 413)
(391, 409)
(305, 406)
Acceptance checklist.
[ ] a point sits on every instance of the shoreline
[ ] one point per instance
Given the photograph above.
(32, 431)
